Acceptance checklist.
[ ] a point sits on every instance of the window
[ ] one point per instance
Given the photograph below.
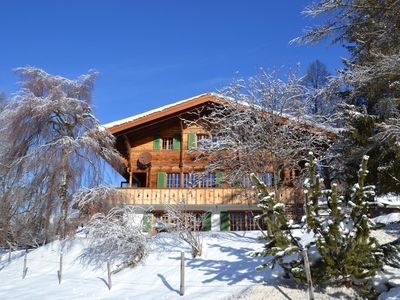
(212, 180)
(199, 180)
(237, 221)
(267, 178)
(173, 180)
(186, 180)
(202, 140)
(167, 143)
(195, 179)
(246, 182)
(252, 222)
(244, 220)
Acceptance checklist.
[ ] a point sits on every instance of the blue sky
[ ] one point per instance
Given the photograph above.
(151, 53)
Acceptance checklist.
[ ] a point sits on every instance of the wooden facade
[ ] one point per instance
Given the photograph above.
(160, 167)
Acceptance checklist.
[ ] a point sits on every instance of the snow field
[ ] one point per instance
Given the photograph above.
(224, 270)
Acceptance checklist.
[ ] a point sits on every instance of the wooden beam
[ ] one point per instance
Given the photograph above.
(181, 155)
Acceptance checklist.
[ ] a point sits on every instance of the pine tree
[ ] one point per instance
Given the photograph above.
(280, 244)
(348, 254)
(369, 30)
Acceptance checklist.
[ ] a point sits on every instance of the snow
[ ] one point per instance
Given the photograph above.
(135, 117)
(291, 291)
(222, 271)
(390, 200)
(387, 219)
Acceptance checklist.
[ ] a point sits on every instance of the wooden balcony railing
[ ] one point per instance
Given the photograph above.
(200, 196)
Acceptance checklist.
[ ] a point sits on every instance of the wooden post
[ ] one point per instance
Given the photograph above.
(109, 274)
(181, 157)
(9, 254)
(308, 274)
(25, 269)
(182, 287)
(130, 178)
(60, 269)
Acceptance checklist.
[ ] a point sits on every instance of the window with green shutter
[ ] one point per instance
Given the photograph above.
(219, 178)
(177, 142)
(156, 142)
(147, 222)
(160, 179)
(191, 141)
(207, 221)
(224, 221)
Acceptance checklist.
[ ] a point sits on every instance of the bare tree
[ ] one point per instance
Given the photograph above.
(185, 225)
(316, 77)
(262, 126)
(98, 199)
(55, 144)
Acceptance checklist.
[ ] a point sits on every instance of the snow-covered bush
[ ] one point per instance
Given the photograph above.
(117, 236)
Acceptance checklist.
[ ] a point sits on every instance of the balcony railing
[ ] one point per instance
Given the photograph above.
(200, 196)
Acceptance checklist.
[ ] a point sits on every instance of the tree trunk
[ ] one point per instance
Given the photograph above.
(62, 193)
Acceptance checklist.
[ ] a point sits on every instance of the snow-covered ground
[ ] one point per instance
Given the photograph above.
(224, 271)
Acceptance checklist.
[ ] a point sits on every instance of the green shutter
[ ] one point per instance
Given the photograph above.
(207, 221)
(191, 141)
(156, 143)
(219, 179)
(160, 179)
(177, 142)
(147, 222)
(224, 221)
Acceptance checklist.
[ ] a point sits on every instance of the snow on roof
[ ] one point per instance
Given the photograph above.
(304, 121)
(135, 117)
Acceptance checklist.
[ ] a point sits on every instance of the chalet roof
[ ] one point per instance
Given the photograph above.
(154, 114)
(123, 124)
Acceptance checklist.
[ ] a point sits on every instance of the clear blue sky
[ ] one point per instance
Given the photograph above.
(151, 53)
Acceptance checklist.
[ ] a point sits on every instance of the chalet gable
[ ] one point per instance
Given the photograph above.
(121, 126)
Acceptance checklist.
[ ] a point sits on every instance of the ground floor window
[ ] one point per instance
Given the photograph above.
(244, 220)
(197, 220)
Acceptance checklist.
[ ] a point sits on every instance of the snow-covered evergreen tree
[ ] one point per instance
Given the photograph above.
(348, 253)
(341, 250)
(281, 246)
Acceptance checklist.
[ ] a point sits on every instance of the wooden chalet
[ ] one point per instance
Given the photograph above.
(160, 168)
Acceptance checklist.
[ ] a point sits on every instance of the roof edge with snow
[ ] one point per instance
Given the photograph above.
(126, 123)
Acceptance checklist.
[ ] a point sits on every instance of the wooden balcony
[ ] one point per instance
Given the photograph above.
(200, 196)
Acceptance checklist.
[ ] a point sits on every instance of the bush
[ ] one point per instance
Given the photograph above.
(117, 236)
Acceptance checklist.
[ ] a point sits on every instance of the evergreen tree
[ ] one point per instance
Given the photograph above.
(280, 243)
(341, 249)
(348, 254)
(370, 31)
